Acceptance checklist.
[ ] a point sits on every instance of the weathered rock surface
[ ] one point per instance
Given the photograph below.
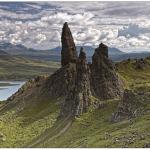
(104, 81)
(140, 64)
(132, 105)
(68, 53)
(78, 98)
(61, 81)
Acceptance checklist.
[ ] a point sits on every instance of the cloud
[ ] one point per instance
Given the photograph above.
(133, 30)
(38, 25)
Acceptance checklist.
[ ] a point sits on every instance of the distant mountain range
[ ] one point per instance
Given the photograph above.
(3, 53)
(55, 53)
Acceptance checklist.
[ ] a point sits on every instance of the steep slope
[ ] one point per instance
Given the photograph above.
(94, 129)
(30, 111)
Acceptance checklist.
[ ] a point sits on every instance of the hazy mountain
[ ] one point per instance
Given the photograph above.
(3, 53)
(54, 54)
(90, 50)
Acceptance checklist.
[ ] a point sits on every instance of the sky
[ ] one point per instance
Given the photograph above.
(124, 25)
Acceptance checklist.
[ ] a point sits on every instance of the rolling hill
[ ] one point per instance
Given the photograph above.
(20, 68)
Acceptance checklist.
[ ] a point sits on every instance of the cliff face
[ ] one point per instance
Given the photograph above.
(104, 80)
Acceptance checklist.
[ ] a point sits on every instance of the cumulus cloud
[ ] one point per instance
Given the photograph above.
(38, 25)
(133, 30)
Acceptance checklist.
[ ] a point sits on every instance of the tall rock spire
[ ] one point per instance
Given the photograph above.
(78, 98)
(103, 49)
(104, 80)
(68, 53)
(82, 84)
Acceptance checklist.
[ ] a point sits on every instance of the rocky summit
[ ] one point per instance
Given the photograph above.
(68, 53)
(105, 82)
(98, 79)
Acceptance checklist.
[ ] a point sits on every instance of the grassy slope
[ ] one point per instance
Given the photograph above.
(20, 68)
(93, 129)
(17, 129)
(134, 77)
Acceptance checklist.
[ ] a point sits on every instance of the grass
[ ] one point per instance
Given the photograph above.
(19, 128)
(92, 129)
(19, 68)
(95, 130)
(133, 77)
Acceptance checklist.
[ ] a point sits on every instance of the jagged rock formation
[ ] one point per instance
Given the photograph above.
(104, 81)
(68, 53)
(59, 83)
(76, 81)
(132, 105)
(78, 98)
(82, 84)
(140, 64)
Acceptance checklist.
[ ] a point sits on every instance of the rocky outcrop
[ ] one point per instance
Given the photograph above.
(68, 53)
(75, 82)
(105, 83)
(140, 64)
(78, 98)
(59, 83)
(82, 84)
(132, 105)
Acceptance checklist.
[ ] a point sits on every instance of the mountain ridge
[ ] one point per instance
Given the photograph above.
(54, 53)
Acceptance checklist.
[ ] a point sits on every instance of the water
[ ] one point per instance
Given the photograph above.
(9, 90)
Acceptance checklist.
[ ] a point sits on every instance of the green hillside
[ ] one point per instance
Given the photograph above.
(37, 126)
(19, 68)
